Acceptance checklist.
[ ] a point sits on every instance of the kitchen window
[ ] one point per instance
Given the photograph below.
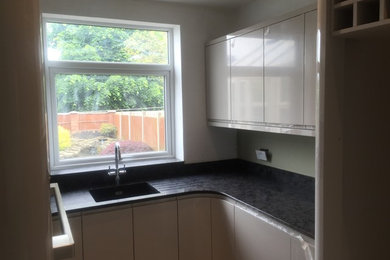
(108, 81)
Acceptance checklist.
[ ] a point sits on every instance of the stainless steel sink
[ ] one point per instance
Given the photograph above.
(122, 191)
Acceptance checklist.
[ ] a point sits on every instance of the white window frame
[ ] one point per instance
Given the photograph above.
(53, 68)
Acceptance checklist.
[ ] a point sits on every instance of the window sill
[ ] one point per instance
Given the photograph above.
(82, 169)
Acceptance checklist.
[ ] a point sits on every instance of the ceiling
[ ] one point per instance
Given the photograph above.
(211, 3)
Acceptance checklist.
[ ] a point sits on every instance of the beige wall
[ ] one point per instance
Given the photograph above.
(366, 142)
(24, 188)
(352, 209)
(198, 25)
(329, 147)
(289, 152)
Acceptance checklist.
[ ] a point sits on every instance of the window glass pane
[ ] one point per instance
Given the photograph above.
(94, 111)
(74, 42)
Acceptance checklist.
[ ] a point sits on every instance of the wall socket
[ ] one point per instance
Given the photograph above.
(263, 154)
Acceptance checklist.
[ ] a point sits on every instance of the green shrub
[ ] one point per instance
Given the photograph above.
(64, 140)
(108, 130)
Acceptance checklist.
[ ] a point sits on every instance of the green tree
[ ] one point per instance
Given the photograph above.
(108, 92)
(147, 47)
(110, 44)
(85, 92)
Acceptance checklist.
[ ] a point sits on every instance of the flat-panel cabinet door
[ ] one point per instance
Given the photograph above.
(155, 231)
(310, 68)
(257, 240)
(75, 226)
(194, 229)
(247, 77)
(218, 81)
(222, 224)
(283, 71)
(108, 235)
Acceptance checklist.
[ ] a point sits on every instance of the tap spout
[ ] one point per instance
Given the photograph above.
(117, 171)
(118, 158)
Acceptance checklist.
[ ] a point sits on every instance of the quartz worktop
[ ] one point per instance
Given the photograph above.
(287, 197)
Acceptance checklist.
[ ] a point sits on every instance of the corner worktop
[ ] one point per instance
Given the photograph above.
(284, 196)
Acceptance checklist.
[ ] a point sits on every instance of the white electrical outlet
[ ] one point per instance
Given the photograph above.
(262, 154)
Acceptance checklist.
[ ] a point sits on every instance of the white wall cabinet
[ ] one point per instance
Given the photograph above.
(247, 77)
(108, 235)
(283, 71)
(266, 80)
(309, 106)
(194, 216)
(155, 231)
(218, 78)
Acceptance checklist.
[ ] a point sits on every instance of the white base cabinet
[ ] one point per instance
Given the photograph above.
(108, 235)
(186, 228)
(222, 224)
(240, 235)
(76, 226)
(257, 240)
(155, 231)
(194, 229)
(297, 252)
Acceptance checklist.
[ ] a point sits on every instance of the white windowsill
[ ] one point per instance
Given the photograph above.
(92, 168)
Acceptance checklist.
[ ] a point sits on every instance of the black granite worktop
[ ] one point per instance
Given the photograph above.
(284, 196)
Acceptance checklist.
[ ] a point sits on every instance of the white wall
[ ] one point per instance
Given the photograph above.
(198, 25)
(262, 10)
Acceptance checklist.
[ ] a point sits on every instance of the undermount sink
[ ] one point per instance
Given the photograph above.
(122, 191)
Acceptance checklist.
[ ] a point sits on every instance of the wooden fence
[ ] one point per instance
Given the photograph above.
(144, 126)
